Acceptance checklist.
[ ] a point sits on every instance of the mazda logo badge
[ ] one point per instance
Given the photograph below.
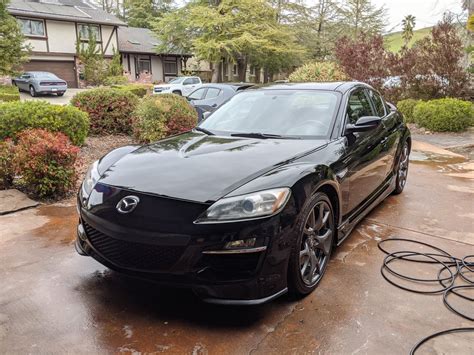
(127, 204)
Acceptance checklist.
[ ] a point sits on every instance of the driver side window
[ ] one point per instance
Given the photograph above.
(358, 106)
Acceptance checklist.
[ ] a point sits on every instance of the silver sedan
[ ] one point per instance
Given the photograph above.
(40, 82)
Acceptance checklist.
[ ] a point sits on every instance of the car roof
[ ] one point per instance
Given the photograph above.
(339, 86)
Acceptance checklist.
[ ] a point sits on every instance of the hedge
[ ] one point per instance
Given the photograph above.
(318, 71)
(444, 115)
(159, 116)
(110, 110)
(141, 90)
(9, 93)
(406, 107)
(18, 116)
(115, 80)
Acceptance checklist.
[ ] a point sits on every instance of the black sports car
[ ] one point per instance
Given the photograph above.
(250, 203)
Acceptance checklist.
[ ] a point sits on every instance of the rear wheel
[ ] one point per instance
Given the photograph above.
(60, 94)
(313, 245)
(32, 91)
(402, 170)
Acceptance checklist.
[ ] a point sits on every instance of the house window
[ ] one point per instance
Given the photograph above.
(171, 67)
(144, 66)
(85, 30)
(32, 27)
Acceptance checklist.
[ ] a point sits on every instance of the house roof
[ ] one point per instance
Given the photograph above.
(142, 40)
(69, 10)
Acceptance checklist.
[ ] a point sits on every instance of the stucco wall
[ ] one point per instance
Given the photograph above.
(106, 33)
(61, 36)
(156, 68)
(36, 45)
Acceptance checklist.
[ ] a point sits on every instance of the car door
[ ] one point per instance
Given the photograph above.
(390, 122)
(189, 85)
(364, 166)
(23, 81)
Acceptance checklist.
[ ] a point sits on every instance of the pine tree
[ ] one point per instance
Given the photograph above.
(362, 16)
(13, 51)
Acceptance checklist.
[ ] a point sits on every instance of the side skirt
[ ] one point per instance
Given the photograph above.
(346, 227)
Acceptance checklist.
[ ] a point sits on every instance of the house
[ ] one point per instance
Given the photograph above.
(142, 61)
(52, 28)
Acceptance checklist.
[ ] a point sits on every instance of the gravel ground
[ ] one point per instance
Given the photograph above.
(443, 139)
(96, 147)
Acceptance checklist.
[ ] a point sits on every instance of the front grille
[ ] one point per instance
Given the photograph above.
(130, 255)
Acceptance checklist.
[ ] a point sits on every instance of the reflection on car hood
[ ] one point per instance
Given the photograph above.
(197, 167)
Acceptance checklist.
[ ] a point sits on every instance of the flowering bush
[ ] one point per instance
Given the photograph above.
(159, 116)
(7, 151)
(318, 71)
(110, 110)
(20, 115)
(444, 115)
(45, 162)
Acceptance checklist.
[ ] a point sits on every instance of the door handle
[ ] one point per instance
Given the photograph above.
(214, 105)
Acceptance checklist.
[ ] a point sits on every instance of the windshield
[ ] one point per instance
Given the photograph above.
(176, 81)
(301, 113)
(46, 76)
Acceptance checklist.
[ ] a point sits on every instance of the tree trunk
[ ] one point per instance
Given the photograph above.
(242, 68)
(216, 70)
(257, 75)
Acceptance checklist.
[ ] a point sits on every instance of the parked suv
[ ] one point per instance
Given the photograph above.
(182, 85)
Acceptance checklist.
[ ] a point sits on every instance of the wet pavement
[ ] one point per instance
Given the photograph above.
(55, 301)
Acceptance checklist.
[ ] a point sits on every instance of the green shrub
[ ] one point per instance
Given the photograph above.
(45, 162)
(318, 71)
(7, 152)
(115, 80)
(444, 115)
(141, 90)
(110, 110)
(406, 107)
(9, 93)
(17, 116)
(159, 116)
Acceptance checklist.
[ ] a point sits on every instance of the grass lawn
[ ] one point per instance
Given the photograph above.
(394, 41)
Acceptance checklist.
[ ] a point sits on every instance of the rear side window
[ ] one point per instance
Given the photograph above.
(212, 93)
(197, 95)
(378, 103)
(358, 106)
(195, 80)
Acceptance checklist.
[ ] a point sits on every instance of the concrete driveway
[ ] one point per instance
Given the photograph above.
(54, 99)
(55, 301)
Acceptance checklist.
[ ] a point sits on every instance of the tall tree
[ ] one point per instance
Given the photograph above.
(241, 31)
(13, 51)
(362, 16)
(141, 13)
(408, 24)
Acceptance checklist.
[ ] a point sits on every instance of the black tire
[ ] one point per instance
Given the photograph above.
(308, 243)
(32, 91)
(60, 94)
(177, 92)
(402, 169)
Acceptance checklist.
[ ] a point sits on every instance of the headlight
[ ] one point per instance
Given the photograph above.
(254, 205)
(92, 176)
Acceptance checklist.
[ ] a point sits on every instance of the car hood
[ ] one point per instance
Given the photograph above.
(197, 167)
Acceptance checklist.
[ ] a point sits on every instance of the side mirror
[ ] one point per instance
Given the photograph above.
(206, 115)
(363, 124)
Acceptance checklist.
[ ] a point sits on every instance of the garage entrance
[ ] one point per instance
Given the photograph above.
(63, 69)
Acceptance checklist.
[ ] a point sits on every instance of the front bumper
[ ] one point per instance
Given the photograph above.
(183, 260)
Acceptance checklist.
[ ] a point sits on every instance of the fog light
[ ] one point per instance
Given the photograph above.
(242, 243)
(81, 232)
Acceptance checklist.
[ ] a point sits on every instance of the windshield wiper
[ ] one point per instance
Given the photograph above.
(203, 130)
(262, 135)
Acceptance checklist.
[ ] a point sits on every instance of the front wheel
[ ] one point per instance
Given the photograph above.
(402, 170)
(177, 92)
(312, 246)
(32, 91)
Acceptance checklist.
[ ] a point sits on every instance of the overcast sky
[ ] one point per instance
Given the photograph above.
(427, 12)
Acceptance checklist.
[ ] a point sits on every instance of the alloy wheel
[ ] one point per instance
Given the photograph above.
(403, 167)
(316, 243)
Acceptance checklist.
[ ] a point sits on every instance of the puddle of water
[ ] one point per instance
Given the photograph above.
(443, 163)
